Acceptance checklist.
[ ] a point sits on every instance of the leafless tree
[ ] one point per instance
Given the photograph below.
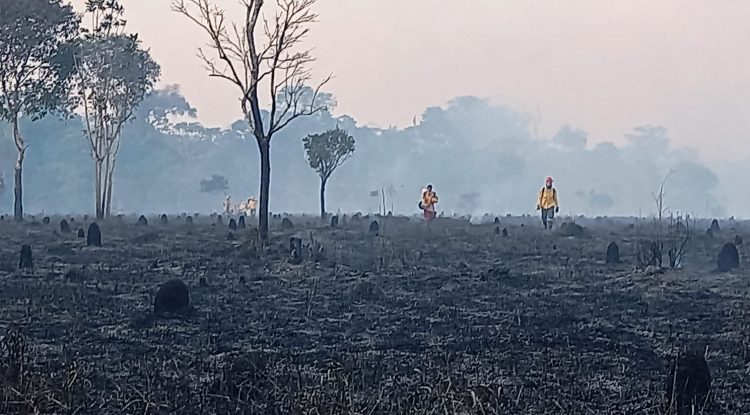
(261, 53)
(676, 235)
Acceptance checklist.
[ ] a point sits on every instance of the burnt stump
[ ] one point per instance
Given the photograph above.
(173, 297)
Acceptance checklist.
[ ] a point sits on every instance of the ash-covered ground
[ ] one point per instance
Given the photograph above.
(451, 319)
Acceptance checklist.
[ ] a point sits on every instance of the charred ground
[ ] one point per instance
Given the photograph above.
(456, 318)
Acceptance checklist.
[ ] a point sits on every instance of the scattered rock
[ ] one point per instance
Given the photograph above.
(334, 221)
(173, 297)
(728, 258)
(738, 240)
(64, 226)
(164, 219)
(497, 220)
(688, 383)
(374, 227)
(219, 220)
(613, 253)
(189, 220)
(571, 230)
(241, 223)
(497, 230)
(81, 233)
(142, 221)
(26, 262)
(232, 224)
(94, 237)
(46, 220)
(505, 232)
(286, 223)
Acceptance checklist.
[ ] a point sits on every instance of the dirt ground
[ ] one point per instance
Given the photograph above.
(451, 319)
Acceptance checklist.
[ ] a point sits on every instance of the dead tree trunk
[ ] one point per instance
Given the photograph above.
(265, 185)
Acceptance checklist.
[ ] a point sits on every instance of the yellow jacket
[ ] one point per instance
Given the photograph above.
(429, 199)
(547, 198)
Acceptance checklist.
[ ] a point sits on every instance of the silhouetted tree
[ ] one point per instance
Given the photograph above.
(325, 153)
(114, 74)
(251, 61)
(35, 67)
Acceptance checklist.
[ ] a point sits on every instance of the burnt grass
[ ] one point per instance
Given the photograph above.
(450, 319)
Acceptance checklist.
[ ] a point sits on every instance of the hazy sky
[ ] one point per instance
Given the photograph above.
(604, 66)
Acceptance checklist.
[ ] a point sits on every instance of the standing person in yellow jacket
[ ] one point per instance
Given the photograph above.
(427, 204)
(548, 203)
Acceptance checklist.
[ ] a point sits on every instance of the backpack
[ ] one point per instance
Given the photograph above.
(554, 191)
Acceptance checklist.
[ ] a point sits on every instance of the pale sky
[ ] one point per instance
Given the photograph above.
(605, 66)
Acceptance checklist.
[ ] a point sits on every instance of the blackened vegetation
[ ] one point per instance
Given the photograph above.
(142, 221)
(94, 236)
(688, 384)
(613, 253)
(729, 258)
(409, 323)
(173, 297)
(64, 226)
(25, 261)
(295, 250)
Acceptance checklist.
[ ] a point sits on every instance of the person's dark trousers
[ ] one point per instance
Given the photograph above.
(548, 217)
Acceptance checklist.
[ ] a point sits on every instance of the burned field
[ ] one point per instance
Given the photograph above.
(401, 319)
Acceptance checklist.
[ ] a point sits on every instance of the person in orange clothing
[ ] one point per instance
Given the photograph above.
(427, 204)
(252, 205)
(548, 203)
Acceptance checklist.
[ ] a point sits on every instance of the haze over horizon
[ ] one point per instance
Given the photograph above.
(484, 101)
(604, 67)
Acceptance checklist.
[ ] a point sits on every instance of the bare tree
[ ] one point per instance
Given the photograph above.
(676, 235)
(113, 76)
(255, 54)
